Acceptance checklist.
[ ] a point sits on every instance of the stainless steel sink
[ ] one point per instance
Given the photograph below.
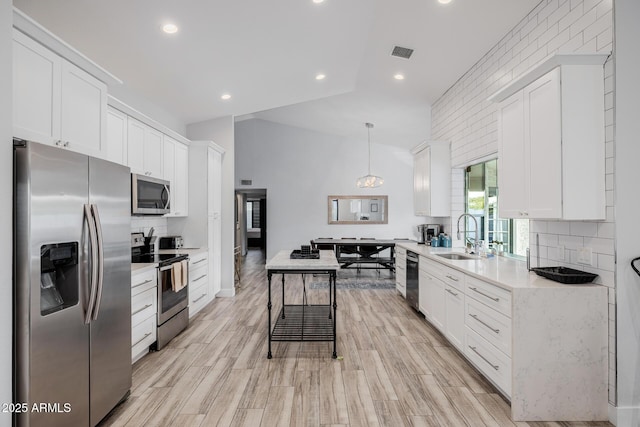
(457, 256)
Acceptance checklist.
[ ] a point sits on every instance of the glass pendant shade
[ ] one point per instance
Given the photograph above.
(368, 180)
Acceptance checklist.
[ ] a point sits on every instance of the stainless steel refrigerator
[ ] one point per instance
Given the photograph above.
(72, 286)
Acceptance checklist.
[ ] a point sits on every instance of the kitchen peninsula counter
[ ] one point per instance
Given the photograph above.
(544, 344)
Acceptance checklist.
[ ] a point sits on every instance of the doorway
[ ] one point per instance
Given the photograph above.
(251, 220)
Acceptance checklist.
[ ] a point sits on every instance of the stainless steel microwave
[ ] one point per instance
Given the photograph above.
(149, 196)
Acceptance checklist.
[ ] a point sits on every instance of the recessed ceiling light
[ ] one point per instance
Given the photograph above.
(444, 1)
(318, 1)
(170, 28)
(225, 96)
(399, 76)
(320, 77)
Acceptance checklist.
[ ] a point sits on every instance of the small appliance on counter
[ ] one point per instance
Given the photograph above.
(432, 231)
(171, 242)
(422, 234)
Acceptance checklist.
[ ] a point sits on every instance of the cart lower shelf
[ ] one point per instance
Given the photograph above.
(304, 323)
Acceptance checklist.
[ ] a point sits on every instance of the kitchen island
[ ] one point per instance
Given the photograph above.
(543, 344)
(303, 322)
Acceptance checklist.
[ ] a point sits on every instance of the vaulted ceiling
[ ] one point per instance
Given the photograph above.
(267, 53)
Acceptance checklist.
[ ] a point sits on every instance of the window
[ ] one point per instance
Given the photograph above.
(253, 214)
(481, 201)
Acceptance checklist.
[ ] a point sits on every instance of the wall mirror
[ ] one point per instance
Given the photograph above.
(358, 209)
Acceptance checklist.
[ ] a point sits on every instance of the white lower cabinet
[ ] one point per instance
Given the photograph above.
(489, 360)
(454, 316)
(199, 292)
(144, 308)
(401, 271)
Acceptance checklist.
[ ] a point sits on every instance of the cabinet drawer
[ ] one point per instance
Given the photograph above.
(400, 287)
(143, 305)
(143, 281)
(142, 336)
(197, 260)
(491, 295)
(198, 277)
(198, 297)
(400, 251)
(488, 323)
(452, 277)
(494, 364)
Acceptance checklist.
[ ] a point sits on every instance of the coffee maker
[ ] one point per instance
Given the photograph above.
(422, 234)
(431, 231)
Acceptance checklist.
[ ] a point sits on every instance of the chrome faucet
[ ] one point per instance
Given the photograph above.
(475, 221)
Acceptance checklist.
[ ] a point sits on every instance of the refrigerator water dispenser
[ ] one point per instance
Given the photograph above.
(58, 277)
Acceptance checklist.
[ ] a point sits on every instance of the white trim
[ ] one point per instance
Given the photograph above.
(627, 416)
(37, 32)
(418, 148)
(211, 144)
(543, 67)
(226, 293)
(130, 111)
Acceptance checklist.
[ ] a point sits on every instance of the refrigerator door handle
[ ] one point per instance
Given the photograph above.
(98, 227)
(94, 263)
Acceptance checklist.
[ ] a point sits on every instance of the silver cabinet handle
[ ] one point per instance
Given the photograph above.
(201, 277)
(451, 292)
(199, 261)
(496, 367)
(142, 339)
(475, 316)
(496, 299)
(199, 298)
(452, 278)
(141, 309)
(143, 283)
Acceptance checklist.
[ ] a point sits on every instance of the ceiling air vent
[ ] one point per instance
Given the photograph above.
(402, 52)
(245, 182)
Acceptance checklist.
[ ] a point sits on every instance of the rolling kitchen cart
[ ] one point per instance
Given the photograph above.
(303, 322)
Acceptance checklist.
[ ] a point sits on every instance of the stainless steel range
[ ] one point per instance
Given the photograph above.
(173, 297)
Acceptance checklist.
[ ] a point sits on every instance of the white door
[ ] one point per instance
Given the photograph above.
(36, 91)
(116, 136)
(83, 111)
(454, 312)
(544, 146)
(135, 146)
(437, 303)
(152, 152)
(512, 178)
(180, 188)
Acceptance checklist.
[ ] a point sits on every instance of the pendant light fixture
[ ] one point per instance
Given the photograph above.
(369, 181)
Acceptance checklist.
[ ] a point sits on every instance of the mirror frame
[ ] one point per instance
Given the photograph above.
(385, 199)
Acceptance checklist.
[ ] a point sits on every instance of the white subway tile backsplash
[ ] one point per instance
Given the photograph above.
(585, 229)
(606, 230)
(571, 242)
(559, 227)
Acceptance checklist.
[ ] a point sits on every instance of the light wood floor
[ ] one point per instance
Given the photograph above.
(395, 369)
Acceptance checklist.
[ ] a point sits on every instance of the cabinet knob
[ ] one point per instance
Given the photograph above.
(66, 143)
(58, 143)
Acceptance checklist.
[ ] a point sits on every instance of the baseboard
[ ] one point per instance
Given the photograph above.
(624, 416)
(226, 293)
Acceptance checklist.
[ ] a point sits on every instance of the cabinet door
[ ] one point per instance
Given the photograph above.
(424, 303)
(152, 152)
(544, 146)
(454, 320)
(421, 182)
(437, 302)
(168, 169)
(512, 176)
(83, 111)
(135, 146)
(116, 136)
(36, 91)
(180, 189)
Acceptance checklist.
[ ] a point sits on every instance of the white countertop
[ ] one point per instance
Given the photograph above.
(505, 272)
(282, 261)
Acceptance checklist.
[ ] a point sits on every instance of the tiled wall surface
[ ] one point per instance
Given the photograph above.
(144, 223)
(464, 117)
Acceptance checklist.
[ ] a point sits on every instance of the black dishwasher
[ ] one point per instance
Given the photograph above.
(412, 279)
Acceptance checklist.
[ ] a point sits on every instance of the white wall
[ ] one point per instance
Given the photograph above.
(221, 131)
(300, 168)
(6, 208)
(627, 94)
(464, 117)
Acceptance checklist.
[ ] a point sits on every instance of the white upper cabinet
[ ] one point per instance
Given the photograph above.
(144, 149)
(176, 164)
(116, 136)
(551, 153)
(432, 179)
(55, 102)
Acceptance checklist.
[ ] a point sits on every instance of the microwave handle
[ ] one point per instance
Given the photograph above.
(165, 196)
